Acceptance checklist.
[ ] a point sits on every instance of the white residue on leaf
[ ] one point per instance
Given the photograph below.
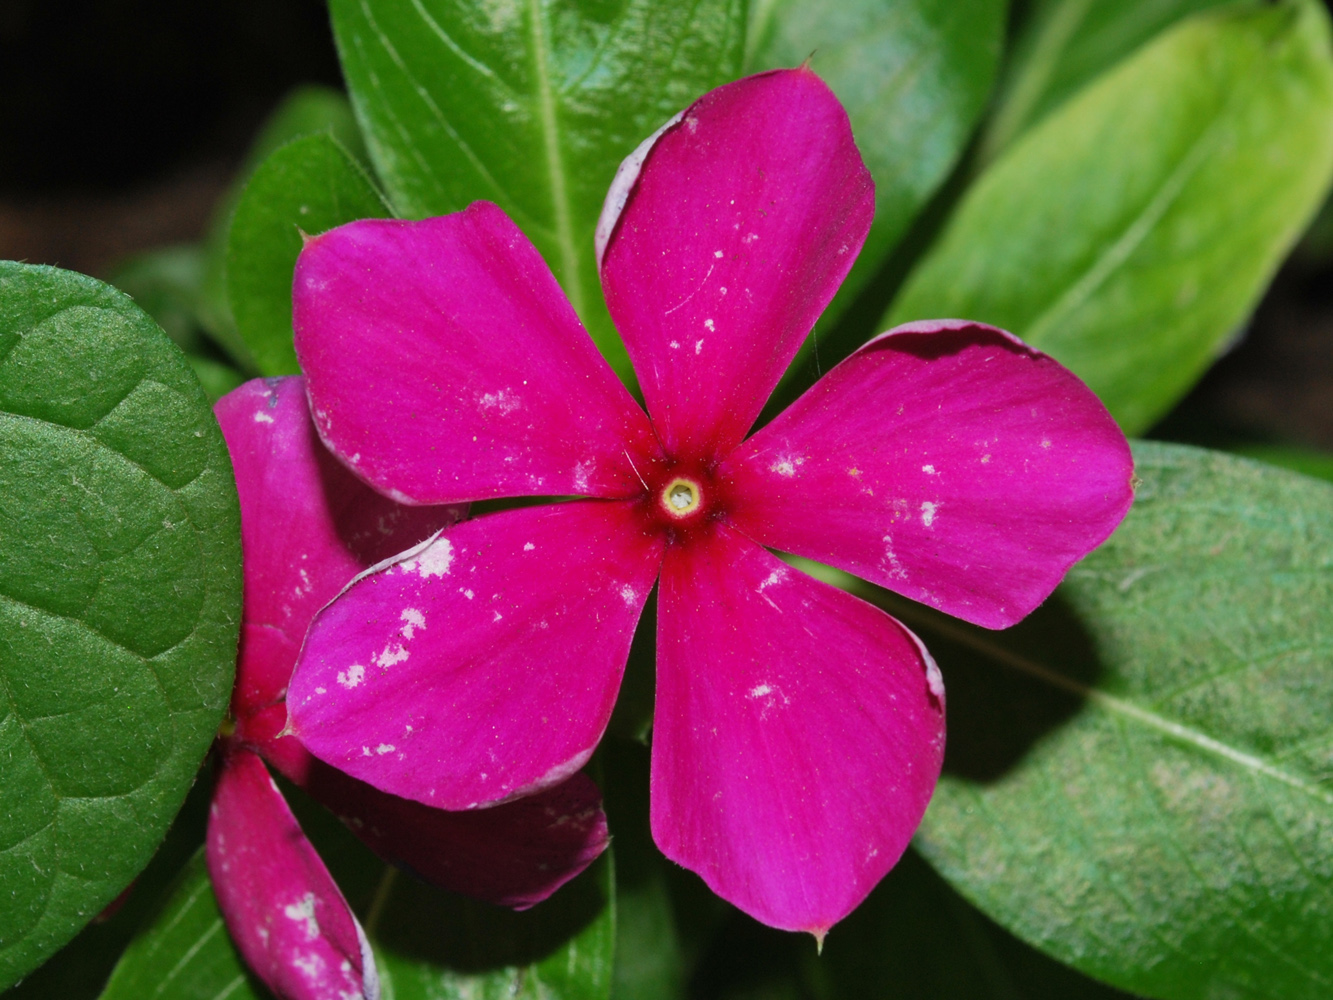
(303, 910)
(352, 676)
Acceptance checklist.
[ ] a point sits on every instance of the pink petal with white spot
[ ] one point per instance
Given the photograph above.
(307, 527)
(283, 909)
(515, 854)
(744, 220)
(444, 363)
(797, 738)
(485, 666)
(948, 462)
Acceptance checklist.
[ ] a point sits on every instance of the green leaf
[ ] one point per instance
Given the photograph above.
(166, 284)
(913, 75)
(433, 946)
(120, 594)
(531, 104)
(920, 937)
(185, 952)
(1065, 44)
(1139, 778)
(308, 186)
(1131, 233)
(1304, 460)
(305, 110)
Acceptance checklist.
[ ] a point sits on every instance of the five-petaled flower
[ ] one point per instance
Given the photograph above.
(798, 731)
(307, 528)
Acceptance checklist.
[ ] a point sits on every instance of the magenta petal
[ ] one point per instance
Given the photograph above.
(307, 527)
(797, 738)
(948, 462)
(485, 666)
(445, 364)
(283, 909)
(746, 216)
(515, 854)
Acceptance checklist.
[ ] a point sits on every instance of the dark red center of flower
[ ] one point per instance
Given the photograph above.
(681, 496)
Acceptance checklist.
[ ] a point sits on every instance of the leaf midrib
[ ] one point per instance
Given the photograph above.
(1116, 706)
(548, 122)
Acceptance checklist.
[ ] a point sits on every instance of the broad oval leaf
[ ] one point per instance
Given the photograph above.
(531, 105)
(120, 597)
(184, 952)
(913, 75)
(1065, 44)
(1140, 779)
(1131, 232)
(306, 187)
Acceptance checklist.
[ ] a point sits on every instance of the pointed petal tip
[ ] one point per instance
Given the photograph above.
(819, 933)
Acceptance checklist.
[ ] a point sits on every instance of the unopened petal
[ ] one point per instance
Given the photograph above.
(484, 666)
(948, 462)
(797, 737)
(283, 909)
(740, 225)
(308, 526)
(445, 364)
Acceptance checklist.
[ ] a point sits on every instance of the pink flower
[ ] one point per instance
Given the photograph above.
(798, 731)
(308, 527)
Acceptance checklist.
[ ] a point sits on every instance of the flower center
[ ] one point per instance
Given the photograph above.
(682, 497)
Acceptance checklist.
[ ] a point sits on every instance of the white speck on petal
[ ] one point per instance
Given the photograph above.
(675, 345)
(319, 690)
(503, 400)
(1046, 443)
(415, 620)
(698, 346)
(352, 676)
(890, 560)
(717, 254)
(391, 655)
(629, 594)
(750, 238)
(304, 910)
(262, 418)
(466, 593)
(709, 323)
(434, 560)
(759, 690)
(497, 617)
(722, 290)
(385, 748)
(777, 576)
(985, 459)
(311, 966)
(928, 513)
(928, 470)
(786, 466)
(528, 546)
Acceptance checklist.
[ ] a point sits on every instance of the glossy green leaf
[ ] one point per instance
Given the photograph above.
(915, 938)
(119, 598)
(913, 75)
(1139, 778)
(305, 110)
(1065, 44)
(184, 953)
(433, 946)
(1131, 233)
(308, 186)
(531, 105)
